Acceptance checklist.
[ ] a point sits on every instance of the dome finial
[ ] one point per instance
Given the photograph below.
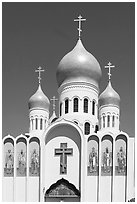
(109, 66)
(39, 70)
(54, 99)
(80, 19)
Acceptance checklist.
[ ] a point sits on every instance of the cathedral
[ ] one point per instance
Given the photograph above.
(80, 155)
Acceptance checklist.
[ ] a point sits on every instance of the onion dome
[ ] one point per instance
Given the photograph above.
(78, 65)
(39, 100)
(109, 97)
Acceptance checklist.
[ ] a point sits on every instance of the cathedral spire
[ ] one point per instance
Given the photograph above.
(80, 19)
(39, 70)
(109, 66)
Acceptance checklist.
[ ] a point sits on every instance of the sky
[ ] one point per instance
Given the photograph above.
(40, 34)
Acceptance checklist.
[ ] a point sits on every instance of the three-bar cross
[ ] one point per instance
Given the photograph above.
(54, 99)
(39, 70)
(109, 66)
(80, 19)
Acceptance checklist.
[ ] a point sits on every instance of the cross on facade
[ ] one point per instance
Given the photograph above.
(80, 19)
(109, 66)
(39, 70)
(63, 152)
(54, 99)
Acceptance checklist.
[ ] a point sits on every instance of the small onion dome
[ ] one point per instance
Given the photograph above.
(78, 65)
(39, 100)
(109, 97)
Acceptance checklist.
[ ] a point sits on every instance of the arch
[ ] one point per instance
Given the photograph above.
(8, 157)
(21, 156)
(75, 104)
(107, 155)
(85, 104)
(63, 190)
(87, 128)
(93, 156)
(66, 105)
(34, 156)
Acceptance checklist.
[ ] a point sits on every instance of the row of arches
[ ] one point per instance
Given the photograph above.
(88, 106)
(87, 127)
(20, 154)
(107, 152)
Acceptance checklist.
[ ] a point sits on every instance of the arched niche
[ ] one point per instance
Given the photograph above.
(21, 156)
(106, 155)
(8, 163)
(34, 156)
(121, 155)
(93, 156)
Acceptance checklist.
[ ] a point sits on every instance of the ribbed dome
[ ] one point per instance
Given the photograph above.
(78, 65)
(109, 96)
(39, 100)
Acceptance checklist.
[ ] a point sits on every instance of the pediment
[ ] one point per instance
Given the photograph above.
(62, 188)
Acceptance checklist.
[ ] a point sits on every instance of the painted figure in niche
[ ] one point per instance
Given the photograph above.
(121, 159)
(34, 166)
(22, 162)
(93, 160)
(107, 160)
(9, 162)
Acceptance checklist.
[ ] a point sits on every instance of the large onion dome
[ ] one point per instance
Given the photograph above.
(78, 65)
(39, 100)
(109, 96)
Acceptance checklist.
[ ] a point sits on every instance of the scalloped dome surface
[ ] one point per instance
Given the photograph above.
(78, 65)
(39, 100)
(109, 96)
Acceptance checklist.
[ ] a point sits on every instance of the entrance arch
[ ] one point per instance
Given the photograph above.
(62, 191)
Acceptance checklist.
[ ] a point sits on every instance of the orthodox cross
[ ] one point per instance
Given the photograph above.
(109, 66)
(80, 19)
(54, 99)
(63, 152)
(39, 70)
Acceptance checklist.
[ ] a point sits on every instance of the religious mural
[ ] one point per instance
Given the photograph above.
(21, 157)
(106, 163)
(92, 166)
(9, 163)
(8, 158)
(34, 165)
(120, 162)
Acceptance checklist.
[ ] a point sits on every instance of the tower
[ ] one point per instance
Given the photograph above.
(38, 109)
(109, 106)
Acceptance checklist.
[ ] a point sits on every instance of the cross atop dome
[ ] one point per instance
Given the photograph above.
(54, 99)
(109, 66)
(39, 70)
(80, 19)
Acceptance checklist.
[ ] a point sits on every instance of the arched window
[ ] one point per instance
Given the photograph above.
(41, 124)
(32, 123)
(36, 123)
(113, 121)
(108, 120)
(87, 128)
(85, 105)
(93, 108)
(75, 122)
(60, 109)
(66, 105)
(103, 121)
(75, 105)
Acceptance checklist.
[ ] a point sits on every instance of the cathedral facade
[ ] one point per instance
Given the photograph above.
(81, 155)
